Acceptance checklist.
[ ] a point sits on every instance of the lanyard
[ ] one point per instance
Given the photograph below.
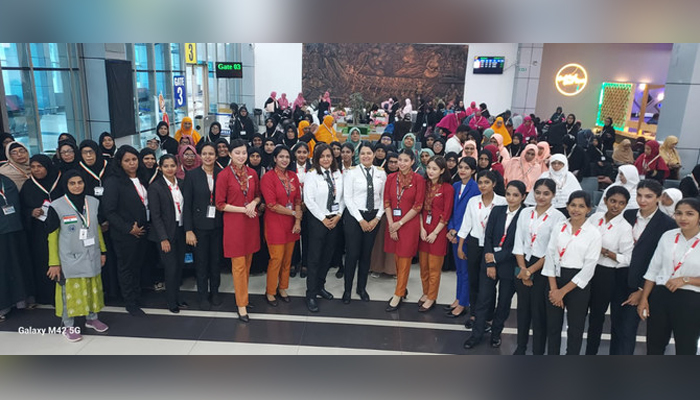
(84, 218)
(505, 229)
(533, 235)
(155, 174)
(2, 192)
(92, 174)
(485, 220)
(562, 251)
(399, 195)
(677, 265)
(223, 166)
(48, 192)
(247, 183)
(600, 223)
(646, 164)
(173, 188)
(138, 186)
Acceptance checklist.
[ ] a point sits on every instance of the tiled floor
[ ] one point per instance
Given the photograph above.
(357, 328)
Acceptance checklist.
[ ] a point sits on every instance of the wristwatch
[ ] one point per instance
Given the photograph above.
(294, 213)
(528, 273)
(686, 279)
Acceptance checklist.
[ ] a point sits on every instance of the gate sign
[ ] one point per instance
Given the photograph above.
(229, 70)
(179, 90)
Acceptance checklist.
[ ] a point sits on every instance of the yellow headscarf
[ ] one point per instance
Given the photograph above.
(191, 132)
(303, 124)
(502, 131)
(325, 132)
(669, 153)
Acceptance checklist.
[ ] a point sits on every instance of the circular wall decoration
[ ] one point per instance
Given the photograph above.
(571, 79)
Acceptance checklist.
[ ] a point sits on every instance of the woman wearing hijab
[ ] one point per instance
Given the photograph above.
(564, 179)
(272, 105)
(409, 143)
(671, 157)
(628, 177)
(650, 164)
(168, 145)
(77, 253)
(243, 127)
(267, 149)
(607, 135)
(284, 102)
(324, 106)
(325, 132)
(476, 137)
(187, 128)
(214, 133)
(478, 121)
(149, 165)
(152, 273)
(439, 146)
(499, 127)
(306, 134)
(494, 165)
(380, 153)
(299, 102)
(450, 122)
(424, 156)
(502, 153)
(17, 166)
(5, 139)
(623, 153)
(576, 156)
(527, 129)
(93, 168)
(485, 163)
(638, 146)
(601, 165)
(452, 159)
(558, 116)
(689, 184)
(107, 145)
(223, 159)
(525, 168)
(68, 156)
(255, 155)
(271, 129)
(543, 153)
(516, 147)
(290, 136)
(668, 201)
(36, 197)
(188, 159)
(407, 109)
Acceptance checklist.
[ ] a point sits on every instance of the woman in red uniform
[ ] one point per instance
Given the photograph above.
(436, 213)
(282, 193)
(238, 196)
(403, 200)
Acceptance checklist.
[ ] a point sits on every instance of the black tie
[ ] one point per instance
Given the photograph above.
(329, 202)
(370, 190)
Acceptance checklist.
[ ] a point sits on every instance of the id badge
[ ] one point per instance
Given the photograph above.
(8, 210)
(397, 212)
(243, 133)
(164, 152)
(497, 249)
(44, 210)
(335, 207)
(289, 206)
(429, 219)
(89, 242)
(211, 212)
(99, 190)
(148, 215)
(83, 235)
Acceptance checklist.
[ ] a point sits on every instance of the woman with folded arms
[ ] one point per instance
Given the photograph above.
(671, 298)
(572, 255)
(472, 230)
(535, 226)
(363, 192)
(238, 196)
(403, 201)
(282, 193)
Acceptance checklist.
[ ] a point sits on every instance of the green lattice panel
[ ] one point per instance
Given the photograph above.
(614, 102)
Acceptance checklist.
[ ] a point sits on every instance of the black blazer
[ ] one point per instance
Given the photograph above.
(160, 202)
(505, 260)
(122, 206)
(646, 245)
(195, 190)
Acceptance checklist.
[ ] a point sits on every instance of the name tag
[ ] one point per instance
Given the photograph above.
(99, 190)
(44, 210)
(289, 206)
(497, 249)
(8, 210)
(397, 212)
(335, 207)
(89, 242)
(83, 234)
(243, 133)
(211, 212)
(429, 219)
(189, 258)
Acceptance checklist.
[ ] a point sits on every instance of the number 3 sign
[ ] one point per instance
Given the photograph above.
(191, 53)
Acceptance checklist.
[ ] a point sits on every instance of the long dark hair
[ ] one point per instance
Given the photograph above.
(442, 164)
(318, 150)
(117, 165)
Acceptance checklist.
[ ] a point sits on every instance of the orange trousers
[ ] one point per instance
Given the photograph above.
(279, 266)
(403, 267)
(240, 268)
(430, 270)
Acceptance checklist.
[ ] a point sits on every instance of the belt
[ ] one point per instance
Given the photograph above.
(369, 215)
(329, 216)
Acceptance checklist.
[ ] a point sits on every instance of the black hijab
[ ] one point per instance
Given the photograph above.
(148, 173)
(377, 162)
(223, 161)
(488, 167)
(455, 157)
(214, 137)
(267, 159)
(64, 166)
(270, 132)
(478, 138)
(258, 168)
(96, 168)
(77, 199)
(289, 142)
(107, 153)
(515, 149)
(4, 136)
(442, 141)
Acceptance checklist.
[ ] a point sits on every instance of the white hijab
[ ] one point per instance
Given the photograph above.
(675, 195)
(565, 180)
(632, 176)
(408, 109)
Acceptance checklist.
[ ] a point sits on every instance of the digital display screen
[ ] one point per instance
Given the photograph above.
(489, 65)
(229, 70)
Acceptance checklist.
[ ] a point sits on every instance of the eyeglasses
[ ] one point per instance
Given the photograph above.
(188, 155)
(86, 152)
(17, 152)
(70, 151)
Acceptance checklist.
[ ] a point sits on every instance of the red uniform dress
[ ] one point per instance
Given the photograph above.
(278, 227)
(241, 233)
(439, 208)
(412, 197)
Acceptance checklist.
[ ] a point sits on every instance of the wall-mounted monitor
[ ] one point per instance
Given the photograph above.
(489, 65)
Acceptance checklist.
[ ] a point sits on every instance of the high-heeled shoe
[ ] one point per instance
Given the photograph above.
(302, 273)
(448, 307)
(272, 303)
(426, 309)
(450, 314)
(390, 308)
(285, 299)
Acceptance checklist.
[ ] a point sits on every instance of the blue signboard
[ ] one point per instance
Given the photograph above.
(179, 91)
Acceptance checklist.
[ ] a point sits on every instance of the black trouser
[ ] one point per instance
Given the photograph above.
(151, 259)
(130, 253)
(576, 305)
(487, 300)
(339, 247)
(677, 313)
(602, 287)
(173, 261)
(531, 311)
(358, 245)
(322, 243)
(474, 255)
(624, 320)
(206, 261)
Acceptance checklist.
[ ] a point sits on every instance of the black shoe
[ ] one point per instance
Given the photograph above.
(285, 299)
(450, 314)
(302, 273)
(135, 311)
(340, 273)
(312, 305)
(325, 294)
(405, 296)
(250, 306)
(448, 307)
(243, 318)
(420, 303)
(364, 295)
(469, 324)
(390, 308)
(519, 352)
(424, 309)
(293, 272)
(470, 343)
(346, 298)
(174, 310)
(272, 303)
(204, 305)
(487, 328)
(183, 305)
(216, 299)
(495, 341)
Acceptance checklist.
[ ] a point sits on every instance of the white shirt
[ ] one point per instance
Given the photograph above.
(641, 224)
(565, 187)
(533, 231)
(582, 252)
(177, 199)
(301, 173)
(453, 145)
(210, 181)
(476, 216)
(617, 238)
(316, 193)
(669, 253)
(355, 190)
(141, 190)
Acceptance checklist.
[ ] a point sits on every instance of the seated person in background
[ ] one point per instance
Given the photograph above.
(650, 164)
(689, 184)
(671, 157)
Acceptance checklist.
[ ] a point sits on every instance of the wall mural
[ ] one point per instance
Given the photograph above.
(381, 70)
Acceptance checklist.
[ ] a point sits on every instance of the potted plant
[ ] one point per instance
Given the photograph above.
(357, 103)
